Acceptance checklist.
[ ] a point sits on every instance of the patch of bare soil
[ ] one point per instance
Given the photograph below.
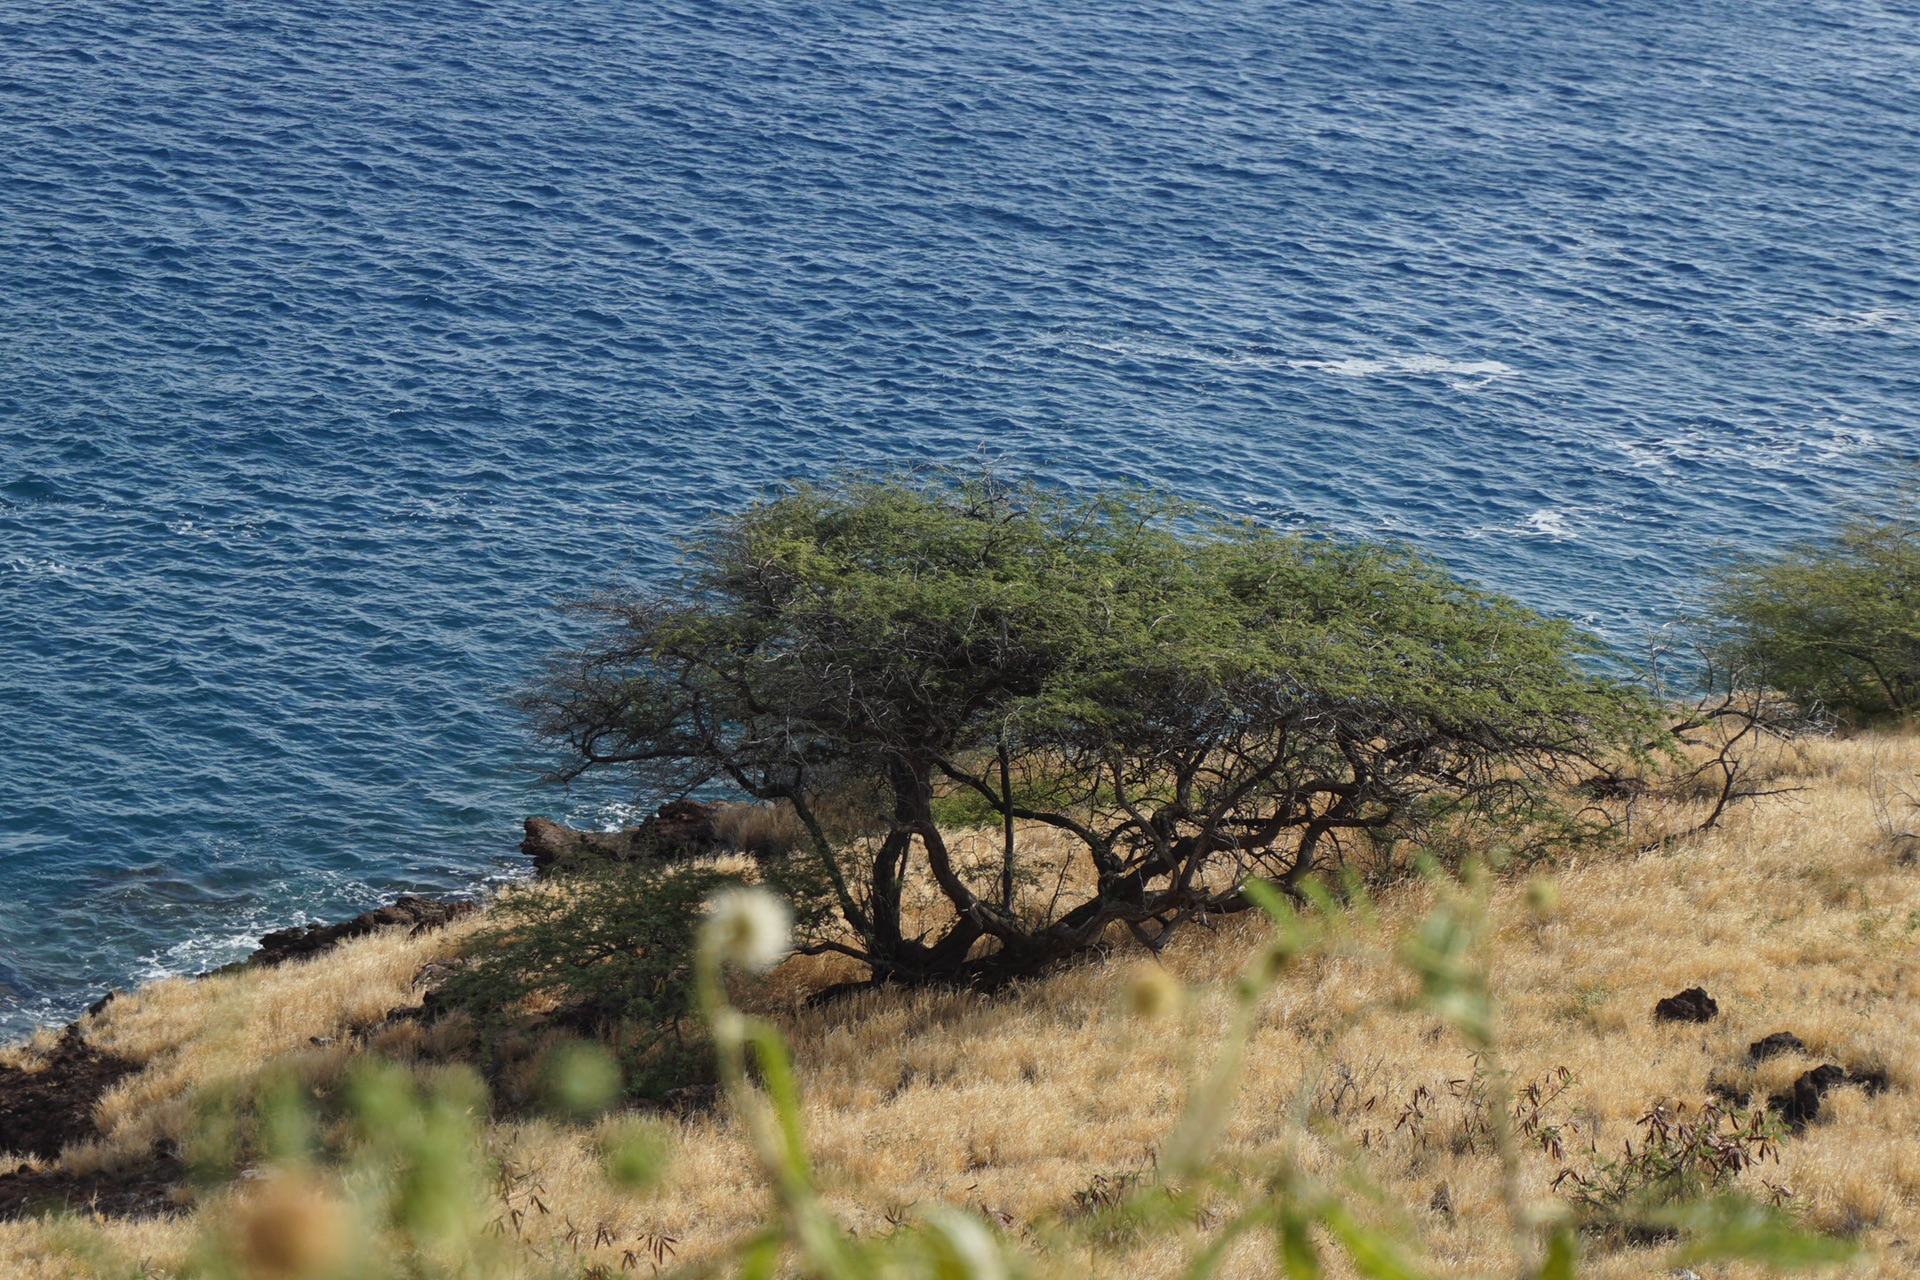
(43, 1110)
(141, 1191)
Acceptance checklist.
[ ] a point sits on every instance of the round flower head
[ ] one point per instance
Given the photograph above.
(1153, 992)
(290, 1229)
(748, 927)
(1543, 897)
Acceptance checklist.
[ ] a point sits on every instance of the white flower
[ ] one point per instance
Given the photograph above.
(749, 927)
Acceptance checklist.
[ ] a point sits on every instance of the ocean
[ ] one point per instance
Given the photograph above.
(342, 340)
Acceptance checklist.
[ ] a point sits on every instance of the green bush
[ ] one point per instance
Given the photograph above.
(1836, 621)
(607, 954)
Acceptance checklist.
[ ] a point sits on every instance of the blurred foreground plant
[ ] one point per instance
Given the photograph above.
(1300, 1215)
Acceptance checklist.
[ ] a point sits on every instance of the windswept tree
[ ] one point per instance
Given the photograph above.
(1183, 701)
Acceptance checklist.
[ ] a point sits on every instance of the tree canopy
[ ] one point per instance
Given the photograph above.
(1181, 700)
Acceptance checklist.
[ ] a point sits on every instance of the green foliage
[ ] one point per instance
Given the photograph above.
(1835, 622)
(609, 953)
(633, 1155)
(1195, 702)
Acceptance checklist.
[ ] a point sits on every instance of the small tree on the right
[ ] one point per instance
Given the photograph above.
(1836, 621)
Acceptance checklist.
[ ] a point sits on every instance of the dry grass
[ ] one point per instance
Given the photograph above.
(196, 1036)
(1801, 914)
(758, 826)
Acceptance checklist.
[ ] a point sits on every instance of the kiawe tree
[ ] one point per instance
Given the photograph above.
(1182, 701)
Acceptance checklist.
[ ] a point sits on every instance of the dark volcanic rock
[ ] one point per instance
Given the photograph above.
(1691, 1005)
(435, 974)
(42, 1111)
(1872, 1079)
(679, 829)
(1772, 1046)
(415, 913)
(140, 1191)
(432, 979)
(553, 846)
(682, 829)
(47, 1109)
(1799, 1105)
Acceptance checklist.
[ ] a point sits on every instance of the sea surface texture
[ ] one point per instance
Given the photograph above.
(342, 339)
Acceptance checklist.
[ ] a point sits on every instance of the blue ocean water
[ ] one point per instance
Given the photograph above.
(342, 339)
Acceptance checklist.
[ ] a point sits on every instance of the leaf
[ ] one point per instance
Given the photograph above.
(1736, 1227)
(761, 1258)
(1270, 900)
(1209, 1258)
(1562, 1255)
(1299, 1258)
(1440, 953)
(963, 1248)
(776, 1073)
(1374, 1253)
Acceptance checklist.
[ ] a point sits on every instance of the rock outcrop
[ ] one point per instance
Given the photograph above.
(1773, 1045)
(48, 1103)
(679, 829)
(142, 1190)
(414, 913)
(1799, 1106)
(1691, 1005)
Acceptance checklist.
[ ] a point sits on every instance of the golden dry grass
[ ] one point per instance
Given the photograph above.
(1799, 914)
(194, 1036)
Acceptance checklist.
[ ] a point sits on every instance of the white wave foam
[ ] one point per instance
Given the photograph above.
(1767, 447)
(42, 568)
(1415, 366)
(1471, 374)
(611, 815)
(1547, 523)
(200, 953)
(1870, 318)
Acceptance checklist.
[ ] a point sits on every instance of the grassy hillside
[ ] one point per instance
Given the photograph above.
(1800, 914)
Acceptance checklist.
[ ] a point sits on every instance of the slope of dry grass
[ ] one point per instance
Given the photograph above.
(1801, 914)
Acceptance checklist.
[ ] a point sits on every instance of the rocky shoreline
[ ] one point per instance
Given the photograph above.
(678, 829)
(49, 1104)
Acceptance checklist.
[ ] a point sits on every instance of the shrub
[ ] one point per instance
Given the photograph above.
(1835, 621)
(1681, 1160)
(1187, 701)
(607, 954)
